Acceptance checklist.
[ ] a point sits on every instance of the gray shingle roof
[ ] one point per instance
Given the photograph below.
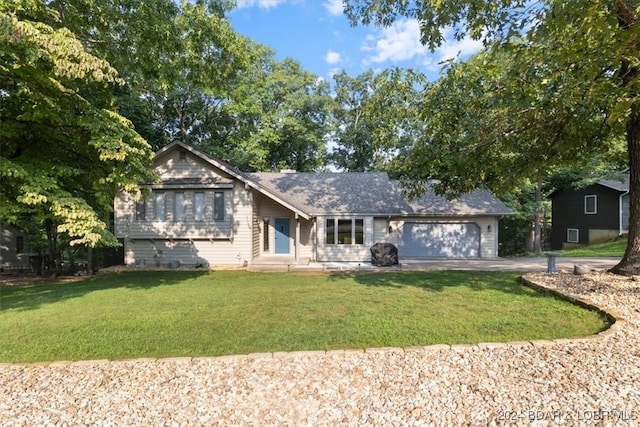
(369, 193)
(479, 202)
(617, 185)
(333, 193)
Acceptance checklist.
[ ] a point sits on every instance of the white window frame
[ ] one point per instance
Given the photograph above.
(159, 206)
(577, 234)
(595, 204)
(352, 240)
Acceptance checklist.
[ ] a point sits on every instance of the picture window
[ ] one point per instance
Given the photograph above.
(344, 231)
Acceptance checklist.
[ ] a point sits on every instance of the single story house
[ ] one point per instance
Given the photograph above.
(204, 211)
(593, 214)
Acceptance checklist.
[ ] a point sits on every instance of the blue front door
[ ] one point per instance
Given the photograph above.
(282, 235)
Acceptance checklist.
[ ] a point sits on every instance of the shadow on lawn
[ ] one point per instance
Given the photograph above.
(435, 281)
(30, 297)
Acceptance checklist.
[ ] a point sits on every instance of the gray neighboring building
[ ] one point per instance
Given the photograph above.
(204, 211)
(13, 249)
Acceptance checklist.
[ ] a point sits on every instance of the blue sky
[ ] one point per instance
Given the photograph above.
(318, 35)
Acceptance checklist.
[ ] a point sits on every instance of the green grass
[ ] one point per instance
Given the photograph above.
(160, 314)
(614, 248)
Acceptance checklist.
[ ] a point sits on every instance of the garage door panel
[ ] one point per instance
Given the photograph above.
(439, 240)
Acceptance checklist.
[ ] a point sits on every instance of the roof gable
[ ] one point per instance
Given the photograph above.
(620, 186)
(231, 171)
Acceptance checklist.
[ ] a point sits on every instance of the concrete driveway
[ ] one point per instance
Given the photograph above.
(528, 264)
(524, 264)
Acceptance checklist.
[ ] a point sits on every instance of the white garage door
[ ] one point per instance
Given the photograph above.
(455, 240)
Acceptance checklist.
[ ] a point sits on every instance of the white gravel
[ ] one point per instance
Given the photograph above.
(590, 381)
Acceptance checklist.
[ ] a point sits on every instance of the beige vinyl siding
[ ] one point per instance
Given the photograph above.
(272, 210)
(169, 166)
(307, 239)
(256, 241)
(189, 228)
(225, 242)
(344, 252)
(488, 239)
(216, 242)
(380, 230)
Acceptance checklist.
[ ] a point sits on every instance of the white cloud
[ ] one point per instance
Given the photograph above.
(334, 7)
(332, 57)
(262, 4)
(465, 47)
(401, 42)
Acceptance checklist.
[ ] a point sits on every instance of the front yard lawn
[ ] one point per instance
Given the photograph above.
(614, 248)
(160, 314)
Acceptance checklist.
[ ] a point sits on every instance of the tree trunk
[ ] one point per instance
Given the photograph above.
(89, 261)
(537, 228)
(630, 263)
(529, 238)
(52, 244)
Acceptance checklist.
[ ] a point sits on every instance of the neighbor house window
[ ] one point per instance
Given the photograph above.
(347, 232)
(179, 207)
(591, 204)
(141, 210)
(19, 244)
(159, 210)
(331, 230)
(572, 235)
(218, 206)
(199, 206)
(183, 154)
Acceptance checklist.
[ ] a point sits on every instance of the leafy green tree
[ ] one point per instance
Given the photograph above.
(178, 59)
(375, 115)
(280, 114)
(577, 63)
(481, 128)
(64, 150)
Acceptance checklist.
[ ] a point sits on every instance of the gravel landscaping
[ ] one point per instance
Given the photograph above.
(592, 380)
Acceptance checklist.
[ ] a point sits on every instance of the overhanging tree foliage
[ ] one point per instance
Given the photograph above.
(492, 121)
(578, 62)
(64, 151)
(179, 61)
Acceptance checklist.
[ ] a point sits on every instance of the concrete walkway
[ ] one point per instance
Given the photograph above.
(523, 264)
